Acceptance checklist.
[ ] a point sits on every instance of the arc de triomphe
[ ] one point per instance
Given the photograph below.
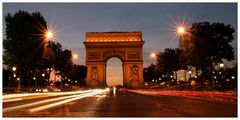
(127, 46)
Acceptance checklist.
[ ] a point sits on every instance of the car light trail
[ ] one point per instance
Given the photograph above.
(49, 100)
(17, 97)
(12, 100)
(95, 92)
(36, 103)
(215, 96)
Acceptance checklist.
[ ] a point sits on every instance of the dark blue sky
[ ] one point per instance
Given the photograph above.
(155, 20)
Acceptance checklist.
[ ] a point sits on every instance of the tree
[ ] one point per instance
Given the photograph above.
(23, 44)
(64, 63)
(79, 73)
(167, 61)
(149, 73)
(57, 58)
(210, 43)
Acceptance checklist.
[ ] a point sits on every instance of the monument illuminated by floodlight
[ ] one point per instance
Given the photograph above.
(127, 46)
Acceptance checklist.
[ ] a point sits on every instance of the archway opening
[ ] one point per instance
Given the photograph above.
(114, 72)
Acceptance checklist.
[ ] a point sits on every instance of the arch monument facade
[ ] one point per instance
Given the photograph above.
(101, 46)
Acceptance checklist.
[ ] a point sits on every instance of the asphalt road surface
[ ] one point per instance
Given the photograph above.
(122, 104)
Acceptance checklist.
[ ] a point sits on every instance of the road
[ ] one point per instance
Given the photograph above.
(105, 104)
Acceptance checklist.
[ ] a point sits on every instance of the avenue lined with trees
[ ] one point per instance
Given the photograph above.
(33, 57)
(204, 47)
(193, 76)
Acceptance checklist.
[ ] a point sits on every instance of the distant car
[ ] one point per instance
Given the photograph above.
(42, 90)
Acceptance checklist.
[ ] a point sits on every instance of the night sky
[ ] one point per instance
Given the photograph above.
(155, 20)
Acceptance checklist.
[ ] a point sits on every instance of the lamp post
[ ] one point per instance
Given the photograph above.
(49, 35)
(181, 31)
(43, 76)
(14, 76)
(34, 78)
(190, 72)
(221, 65)
(14, 69)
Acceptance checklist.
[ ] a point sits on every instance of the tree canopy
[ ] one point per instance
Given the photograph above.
(23, 45)
(209, 44)
(149, 73)
(167, 61)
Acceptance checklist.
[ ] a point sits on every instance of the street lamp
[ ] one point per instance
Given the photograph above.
(49, 34)
(181, 30)
(14, 74)
(153, 55)
(14, 68)
(221, 65)
(190, 72)
(75, 56)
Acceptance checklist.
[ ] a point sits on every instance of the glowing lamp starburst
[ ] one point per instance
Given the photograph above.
(181, 30)
(75, 56)
(49, 34)
(153, 55)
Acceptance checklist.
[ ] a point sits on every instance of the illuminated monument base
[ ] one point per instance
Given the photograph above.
(127, 46)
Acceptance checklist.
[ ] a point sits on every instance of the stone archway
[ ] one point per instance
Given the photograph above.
(127, 46)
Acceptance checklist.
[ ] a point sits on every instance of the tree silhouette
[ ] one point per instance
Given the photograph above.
(79, 73)
(23, 44)
(167, 61)
(209, 45)
(149, 73)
